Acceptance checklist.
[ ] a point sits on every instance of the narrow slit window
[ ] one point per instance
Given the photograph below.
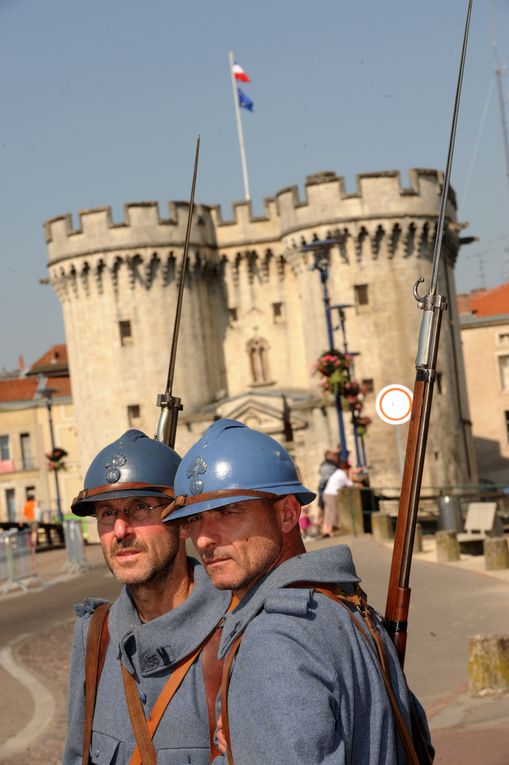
(361, 294)
(133, 415)
(126, 335)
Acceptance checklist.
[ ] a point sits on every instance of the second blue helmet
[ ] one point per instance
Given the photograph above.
(231, 457)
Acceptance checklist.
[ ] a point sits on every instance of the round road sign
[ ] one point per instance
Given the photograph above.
(394, 404)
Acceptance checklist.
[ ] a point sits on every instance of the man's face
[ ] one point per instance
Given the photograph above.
(237, 543)
(137, 546)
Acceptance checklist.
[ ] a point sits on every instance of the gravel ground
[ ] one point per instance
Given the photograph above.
(48, 748)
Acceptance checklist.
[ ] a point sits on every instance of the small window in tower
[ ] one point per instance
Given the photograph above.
(133, 415)
(506, 413)
(361, 294)
(278, 312)
(126, 336)
(439, 383)
(503, 338)
(232, 316)
(369, 385)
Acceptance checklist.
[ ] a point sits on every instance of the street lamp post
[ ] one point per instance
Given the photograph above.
(360, 449)
(321, 253)
(47, 398)
(42, 391)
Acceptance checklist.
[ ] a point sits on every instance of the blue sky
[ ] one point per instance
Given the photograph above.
(101, 102)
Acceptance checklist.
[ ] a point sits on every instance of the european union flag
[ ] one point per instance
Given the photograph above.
(244, 101)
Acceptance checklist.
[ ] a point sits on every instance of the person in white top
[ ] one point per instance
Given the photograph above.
(337, 481)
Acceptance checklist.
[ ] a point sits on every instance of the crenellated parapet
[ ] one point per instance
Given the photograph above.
(144, 247)
(142, 228)
(380, 219)
(327, 202)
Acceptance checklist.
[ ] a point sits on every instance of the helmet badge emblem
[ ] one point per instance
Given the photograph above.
(196, 468)
(112, 472)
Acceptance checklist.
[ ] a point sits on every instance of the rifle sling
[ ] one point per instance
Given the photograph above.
(144, 729)
(350, 603)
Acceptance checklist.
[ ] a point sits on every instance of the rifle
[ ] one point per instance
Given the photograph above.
(432, 306)
(171, 405)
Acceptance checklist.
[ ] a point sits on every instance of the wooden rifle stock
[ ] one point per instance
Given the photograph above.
(432, 305)
(398, 598)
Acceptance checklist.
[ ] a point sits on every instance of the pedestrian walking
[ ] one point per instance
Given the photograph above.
(310, 674)
(338, 480)
(150, 668)
(327, 467)
(32, 516)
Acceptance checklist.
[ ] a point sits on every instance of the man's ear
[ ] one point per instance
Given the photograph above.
(184, 531)
(288, 509)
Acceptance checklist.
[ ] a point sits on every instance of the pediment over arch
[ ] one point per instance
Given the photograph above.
(271, 414)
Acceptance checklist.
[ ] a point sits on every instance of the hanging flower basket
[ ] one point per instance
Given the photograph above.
(335, 369)
(56, 459)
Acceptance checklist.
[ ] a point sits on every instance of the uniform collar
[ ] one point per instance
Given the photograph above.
(332, 565)
(153, 646)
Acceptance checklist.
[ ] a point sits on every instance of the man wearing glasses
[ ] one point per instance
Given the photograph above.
(144, 673)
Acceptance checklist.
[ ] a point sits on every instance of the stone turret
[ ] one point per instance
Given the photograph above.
(253, 321)
(118, 286)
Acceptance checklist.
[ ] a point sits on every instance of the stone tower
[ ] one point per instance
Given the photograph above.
(253, 319)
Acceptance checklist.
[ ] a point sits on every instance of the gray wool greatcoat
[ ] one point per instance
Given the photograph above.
(151, 650)
(305, 688)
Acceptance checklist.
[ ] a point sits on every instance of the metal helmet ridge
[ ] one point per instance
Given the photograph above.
(133, 466)
(233, 463)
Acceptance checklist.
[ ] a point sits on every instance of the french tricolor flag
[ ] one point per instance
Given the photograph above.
(239, 73)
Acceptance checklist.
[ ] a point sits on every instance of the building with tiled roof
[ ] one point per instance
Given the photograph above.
(30, 406)
(53, 363)
(484, 324)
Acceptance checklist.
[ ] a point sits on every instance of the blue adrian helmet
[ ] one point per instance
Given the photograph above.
(133, 466)
(233, 463)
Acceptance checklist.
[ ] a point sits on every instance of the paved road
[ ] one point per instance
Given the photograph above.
(36, 628)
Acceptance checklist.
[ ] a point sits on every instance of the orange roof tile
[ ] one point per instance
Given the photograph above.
(485, 302)
(491, 302)
(23, 388)
(52, 361)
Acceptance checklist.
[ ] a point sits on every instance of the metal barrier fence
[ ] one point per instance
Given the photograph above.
(75, 547)
(18, 568)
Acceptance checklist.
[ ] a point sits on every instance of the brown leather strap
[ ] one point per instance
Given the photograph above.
(225, 683)
(97, 644)
(183, 500)
(144, 730)
(144, 750)
(212, 670)
(120, 486)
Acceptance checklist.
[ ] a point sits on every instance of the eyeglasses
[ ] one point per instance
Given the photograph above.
(140, 513)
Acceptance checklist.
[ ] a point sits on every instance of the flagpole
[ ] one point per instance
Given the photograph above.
(247, 195)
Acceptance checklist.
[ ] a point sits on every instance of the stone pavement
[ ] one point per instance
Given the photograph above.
(465, 730)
